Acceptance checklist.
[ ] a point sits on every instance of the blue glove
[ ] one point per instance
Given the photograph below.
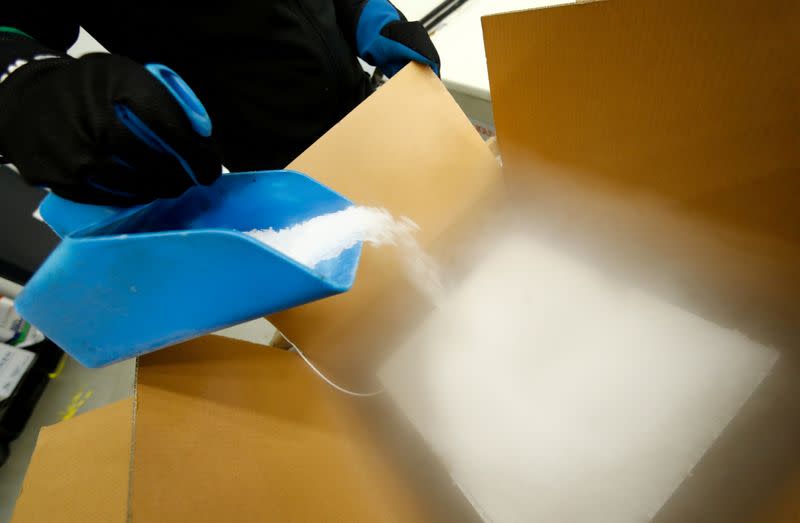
(385, 39)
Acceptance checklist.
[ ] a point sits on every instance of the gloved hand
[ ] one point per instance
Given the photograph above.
(67, 124)
(385, 39)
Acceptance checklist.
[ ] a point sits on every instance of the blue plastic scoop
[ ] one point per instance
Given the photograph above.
(126, 282)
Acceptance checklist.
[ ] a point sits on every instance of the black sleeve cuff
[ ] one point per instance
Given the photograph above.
(16, 50)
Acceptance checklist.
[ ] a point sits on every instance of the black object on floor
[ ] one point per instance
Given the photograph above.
(17, 408)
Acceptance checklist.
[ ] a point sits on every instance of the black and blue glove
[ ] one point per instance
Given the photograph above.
(385, 39)
(98, 129)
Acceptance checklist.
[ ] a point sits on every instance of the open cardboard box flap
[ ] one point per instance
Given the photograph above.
(669, 129)
(688, 109)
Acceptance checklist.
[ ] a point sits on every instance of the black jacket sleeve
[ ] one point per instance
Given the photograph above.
(347, 13)
(48, 28)
(47, 22)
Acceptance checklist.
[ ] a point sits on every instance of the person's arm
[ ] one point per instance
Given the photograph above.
(75, 125)
(381, 35)
(53, 26)
(33, 32)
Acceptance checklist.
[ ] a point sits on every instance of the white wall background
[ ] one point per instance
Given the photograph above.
(85, 44)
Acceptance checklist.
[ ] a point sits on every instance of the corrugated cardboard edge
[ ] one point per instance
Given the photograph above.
(79, 471)
(132, 451)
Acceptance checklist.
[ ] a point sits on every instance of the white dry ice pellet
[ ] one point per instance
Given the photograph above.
(327, 236)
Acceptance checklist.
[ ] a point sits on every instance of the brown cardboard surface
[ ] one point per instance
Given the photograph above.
(231, 431)
(696, 101)
(688, 112)
(410, 149)
(784, 506)
(79, 470)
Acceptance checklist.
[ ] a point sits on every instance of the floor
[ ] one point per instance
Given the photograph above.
(78, 389)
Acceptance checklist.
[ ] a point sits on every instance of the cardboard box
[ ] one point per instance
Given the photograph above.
(659, 136)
